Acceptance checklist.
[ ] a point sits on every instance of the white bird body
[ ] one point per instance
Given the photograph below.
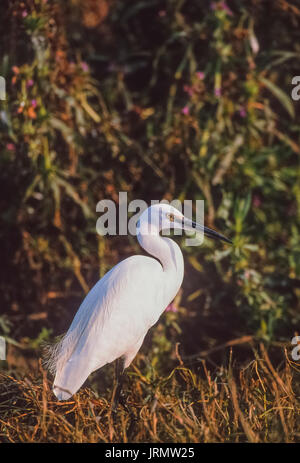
(116, 314)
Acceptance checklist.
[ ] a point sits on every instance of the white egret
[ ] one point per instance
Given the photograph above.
(116, 314)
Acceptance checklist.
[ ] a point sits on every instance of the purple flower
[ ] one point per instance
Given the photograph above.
(218, 92)
(172, 308)
(29, 83)
(200, 75)
(185, 110)
(242, 112)
(33, 103)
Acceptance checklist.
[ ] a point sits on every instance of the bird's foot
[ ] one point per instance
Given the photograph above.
(122, 400)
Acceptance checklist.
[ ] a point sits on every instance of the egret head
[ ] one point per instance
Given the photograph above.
(164, 217)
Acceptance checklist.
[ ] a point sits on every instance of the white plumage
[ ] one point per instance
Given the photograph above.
(116, 314)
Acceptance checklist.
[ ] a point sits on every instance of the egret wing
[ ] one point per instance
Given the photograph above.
(113, 318)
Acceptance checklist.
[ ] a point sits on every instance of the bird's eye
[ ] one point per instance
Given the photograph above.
(171, 217)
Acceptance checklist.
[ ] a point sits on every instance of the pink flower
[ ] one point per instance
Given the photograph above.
(242, 112)
(226, 8)
(185, 110)
(33, 103)
(218, 92)
(256, 201)
(24, 14)
(162, 13)
(84, 66)
(172, 308)
(10, 147)
(221, 6)
(200, 75)
(29, 83)
(188, 90)
(247, 274)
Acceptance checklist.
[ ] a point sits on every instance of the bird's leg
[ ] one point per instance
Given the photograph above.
(118, 395)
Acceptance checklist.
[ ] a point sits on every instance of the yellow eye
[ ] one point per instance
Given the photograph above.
(171, 217)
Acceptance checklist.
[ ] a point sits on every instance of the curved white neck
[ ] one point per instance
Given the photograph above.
(168, 253)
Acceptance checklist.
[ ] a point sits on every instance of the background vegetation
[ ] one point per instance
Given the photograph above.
(162, 99)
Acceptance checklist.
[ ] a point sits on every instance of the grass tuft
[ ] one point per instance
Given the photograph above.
(253, 403)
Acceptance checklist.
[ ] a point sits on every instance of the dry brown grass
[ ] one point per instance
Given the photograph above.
(256, 403)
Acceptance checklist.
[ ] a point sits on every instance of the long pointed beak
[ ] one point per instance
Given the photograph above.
(212, 233)
(191, 225)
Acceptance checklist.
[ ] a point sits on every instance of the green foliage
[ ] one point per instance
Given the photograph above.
(162, 100)
(39, 341)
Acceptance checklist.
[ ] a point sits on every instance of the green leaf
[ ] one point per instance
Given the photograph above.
(281, 96)
(70, 191)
